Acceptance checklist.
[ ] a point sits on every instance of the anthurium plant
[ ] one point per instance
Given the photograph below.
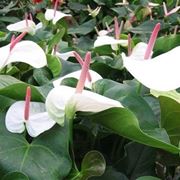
(89, 90)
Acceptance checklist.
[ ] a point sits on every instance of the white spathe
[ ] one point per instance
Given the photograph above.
(160, 73)
(49, 15)
(63, 97)
(24, 51)
(23, 26)
(108, 40)
(94, 77)
(65, 56)
(38, 121)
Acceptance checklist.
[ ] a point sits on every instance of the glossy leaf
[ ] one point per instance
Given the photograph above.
(46, 157)
(111, 173)
(93, 164)
(124, 122)
(83, 29)
(136, 161)
(148, 178)
(14, 88)
(15, 176)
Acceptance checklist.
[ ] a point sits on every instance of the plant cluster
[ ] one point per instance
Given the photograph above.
(89, 89)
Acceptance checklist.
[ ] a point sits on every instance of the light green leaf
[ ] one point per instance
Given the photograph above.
(54, 65)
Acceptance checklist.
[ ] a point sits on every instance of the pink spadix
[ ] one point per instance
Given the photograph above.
(81, 62)
(117, 28)
(84, 73)
(27, 103)
(55, 7)
(152, 41)
(14, 40)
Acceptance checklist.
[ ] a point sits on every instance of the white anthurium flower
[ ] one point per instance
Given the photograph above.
(31, 115)
(23, 26)
(55, 16)
(65, 56)
(24, 51)
(63, 97)
(64, 100)
(38, 121)
(108, 40)
(94, 77)
(160, 73)
(150, 4)
(39, 26)
(103, 32)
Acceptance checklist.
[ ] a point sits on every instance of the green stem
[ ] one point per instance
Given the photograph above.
(139, 88)
(70, 134)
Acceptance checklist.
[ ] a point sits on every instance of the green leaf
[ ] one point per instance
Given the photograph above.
(93, 164)
(170, 94)
(42, 75)
(170, 115)
(111, 173)
(112, 89)
(54, 65)
(83, 29)
(124, 122)
(41, 18)
(129, 98)
(16, 89)
(136, 161)
(46, 157)
(55, 39)
(171, 42)
(115, 63)
(15, 176)
(147, 27)
(148, 178)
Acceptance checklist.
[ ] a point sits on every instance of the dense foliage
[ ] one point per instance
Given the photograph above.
(123, 124)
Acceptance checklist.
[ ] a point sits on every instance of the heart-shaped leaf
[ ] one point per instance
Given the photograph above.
(46, 157)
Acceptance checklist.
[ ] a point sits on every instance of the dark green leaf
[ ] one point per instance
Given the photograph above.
(83, 29)
(15, 176)
(16, 89)
(124, 122)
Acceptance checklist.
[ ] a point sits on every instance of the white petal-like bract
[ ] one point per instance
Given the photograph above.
(66, 55)
(49, 15)
(23, 26)
(108, 40)
(38, 121)
(160, 73)
(24, 51)
(94, 77)
(63, 97)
